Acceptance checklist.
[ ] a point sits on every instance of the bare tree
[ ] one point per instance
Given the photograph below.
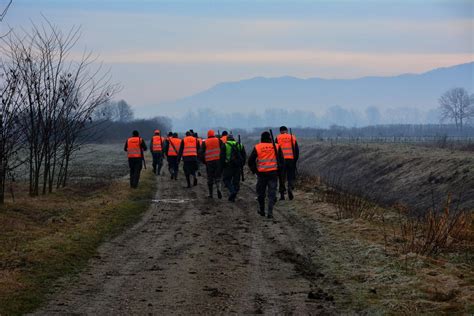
(3, 13)
(456, 105)
(124, 111)
(11, 141)
(106, 112)
(60, 95)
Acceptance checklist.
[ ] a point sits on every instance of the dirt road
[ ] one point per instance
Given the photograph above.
(193, 255)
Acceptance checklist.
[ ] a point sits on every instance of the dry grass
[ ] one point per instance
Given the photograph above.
(351, 205)
(433, 232)
(371, 265)
(51, 236)
(348, 205)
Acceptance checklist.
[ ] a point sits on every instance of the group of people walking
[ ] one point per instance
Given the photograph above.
(272, 160)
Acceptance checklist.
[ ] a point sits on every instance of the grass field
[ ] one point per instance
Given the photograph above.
(52, 236)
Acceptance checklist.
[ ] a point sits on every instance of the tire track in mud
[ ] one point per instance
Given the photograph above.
(202, 256)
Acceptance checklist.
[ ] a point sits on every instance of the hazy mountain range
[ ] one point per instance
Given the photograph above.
(407, 90)
(331, 101)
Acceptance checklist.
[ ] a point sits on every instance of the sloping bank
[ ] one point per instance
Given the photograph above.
(54, 236)
(394, 173)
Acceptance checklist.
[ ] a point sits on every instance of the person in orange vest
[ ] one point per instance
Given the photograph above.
(291, 153)
(188, 151)
(135, 146)
(171, 149)
(264, 161)
(200, 146)
(224, 136)
(211, 152)
(156, 149)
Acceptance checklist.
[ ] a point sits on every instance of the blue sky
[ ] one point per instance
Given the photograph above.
(163, 50)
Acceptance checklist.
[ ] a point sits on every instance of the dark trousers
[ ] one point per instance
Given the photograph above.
(213, 170)
(135, 165)
(287, 174)
(189, 168)
(173, 166)
(157, 162)
(267, 184)
(231, 178)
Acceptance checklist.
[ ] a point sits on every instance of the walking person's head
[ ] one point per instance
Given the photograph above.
(170, 134)
(135, 133)
(188, 133)
(265, 137)
(224, 133)
(157, 132)
(283, 129)
(175, 135)
(211, 133)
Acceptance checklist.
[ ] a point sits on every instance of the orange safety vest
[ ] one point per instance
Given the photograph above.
(224, 139)
(190, 146)
(266, 157)
(157, 142)
(174, 144)
(213, 149)
(134, 149)
(284, 140)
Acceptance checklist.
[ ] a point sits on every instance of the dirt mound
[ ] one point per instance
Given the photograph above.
(391, 173)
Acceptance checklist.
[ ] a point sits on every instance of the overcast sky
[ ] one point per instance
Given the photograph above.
(164, 50)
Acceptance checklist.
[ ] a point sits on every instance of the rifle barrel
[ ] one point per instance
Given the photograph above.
(275, 149)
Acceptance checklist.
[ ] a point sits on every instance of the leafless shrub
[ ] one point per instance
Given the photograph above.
(329, 188)
(350, 205)
(432, 232)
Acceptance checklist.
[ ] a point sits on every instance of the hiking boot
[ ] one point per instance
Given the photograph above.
(199, 173)
(290, 195)
(282, 196)
(195, 182)
(219, 194)
(270, 216)
(232, 197)
(261, 213)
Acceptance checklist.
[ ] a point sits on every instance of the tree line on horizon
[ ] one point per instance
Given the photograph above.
(456, 106)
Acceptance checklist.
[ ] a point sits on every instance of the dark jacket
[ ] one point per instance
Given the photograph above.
(252, 162)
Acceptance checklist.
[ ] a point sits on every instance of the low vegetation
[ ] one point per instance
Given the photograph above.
(432, 232)
(52, 236)
(395, 258)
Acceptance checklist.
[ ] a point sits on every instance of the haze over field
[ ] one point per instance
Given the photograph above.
(162, 51)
